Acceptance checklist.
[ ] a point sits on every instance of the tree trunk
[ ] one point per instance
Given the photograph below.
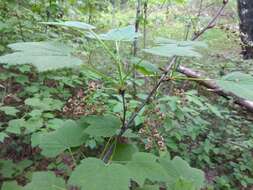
(245, 11)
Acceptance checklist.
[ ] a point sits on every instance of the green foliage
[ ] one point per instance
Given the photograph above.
(45, 181)
(169, 48)
(93, 174)
(125, 34)
(64, 138)
(63, 120)
(144, 166)
(181, 175)
(238, 83)
(102, 126)
(72, 24)
(8, 110)
(43, 55)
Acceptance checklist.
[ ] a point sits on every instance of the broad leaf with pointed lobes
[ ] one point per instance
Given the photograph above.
(125, 34)
(56, 142)
(168, 48)
(94, 174)
(102, 126)
(43, 55)
(72, 24)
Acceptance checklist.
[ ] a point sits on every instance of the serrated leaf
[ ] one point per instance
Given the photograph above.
(144, 166)
(53, 143)
(126, 34)
(45, 181)
(93, 174)
(240, 84)
(74, 24)
(43, 55)
(102, 126)
(180, 169)
(9, 110)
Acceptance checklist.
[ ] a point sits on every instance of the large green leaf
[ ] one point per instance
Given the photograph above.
(149, 187)
(7, 168)
(168, 48)
(102, 126)
(74, 24)
(145, 67)
(179, 169)
(238, 83)
(124, 152)
(126, 34)
(45, 181)
(43, 55)
(9, 110)
(93, 174)
(144, 166)
(11, 185)
(3, 136)
(21, 126)
(40, 181)
(199, 44)
(45, 104)
(53, 143)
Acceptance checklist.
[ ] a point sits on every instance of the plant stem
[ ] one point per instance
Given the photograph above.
(115, 58)
(158, 84)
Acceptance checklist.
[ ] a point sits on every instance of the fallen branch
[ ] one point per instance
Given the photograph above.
(211, 84)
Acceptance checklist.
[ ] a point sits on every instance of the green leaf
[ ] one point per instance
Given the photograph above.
(102, 126)
(146, 67)
(7, 168)
(11, 185)
(199, 44)
(43, 55)
(126, 34)
(170, 50)
(149, 187)
(74, 24)
(144, 166)
(239, 84)
(9, 110)
(19, 126)
(53, 143)
(3, 136)
(45, 104)
(124, 152)
(16, 126)
(180, 169)
(45, 181)
(182, 184)
(93, 174)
